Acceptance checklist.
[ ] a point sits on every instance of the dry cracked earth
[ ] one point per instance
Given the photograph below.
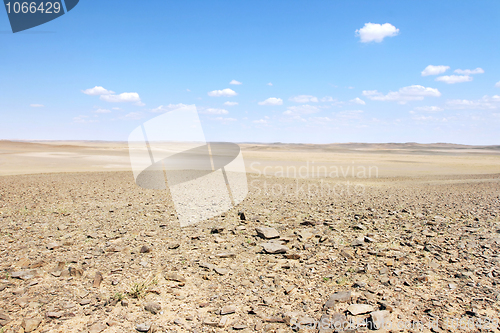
(92, 252)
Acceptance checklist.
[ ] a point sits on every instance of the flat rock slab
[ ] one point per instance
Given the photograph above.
(267, 233)
(227, 310)
(357, 309)
(23, 275)
(172, 276)
(274, 248)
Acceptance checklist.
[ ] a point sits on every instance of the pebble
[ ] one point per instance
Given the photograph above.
(97, 279)
(53, 246)
(172, 276)
(97, 328)
(153, 307)
(143, 327)
(226, 255)
(274, 248)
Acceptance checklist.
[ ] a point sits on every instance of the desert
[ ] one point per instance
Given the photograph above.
(411, 246)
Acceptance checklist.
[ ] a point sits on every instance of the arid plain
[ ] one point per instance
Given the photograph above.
(338, 237)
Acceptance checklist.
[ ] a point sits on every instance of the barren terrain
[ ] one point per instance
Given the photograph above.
(414, 243)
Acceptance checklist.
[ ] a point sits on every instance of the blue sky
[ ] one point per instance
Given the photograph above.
(313, 72)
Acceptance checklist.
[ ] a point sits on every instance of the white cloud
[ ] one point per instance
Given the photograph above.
(428, 108)
(116, 108)
(213, 111)
(320, 119)
(102, 111)
(374, 32)
(272, 101)
(434, 70)
(485, 103)
(97, 90)
(231, 103)
(497, 84)
(133, 115)
(235, 82)
(349, 114)
(478, 70)
(358, 100)
(450, 79)
(269, 84)
(36, 105)
(403, 95)
(301, 109)
(260, 121)
(131, 97)
(169, 107)
(304, 99)
(223, 92)
(328, 99)
(83, 119)
(225, 120)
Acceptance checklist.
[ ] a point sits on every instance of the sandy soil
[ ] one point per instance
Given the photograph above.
(418, 244)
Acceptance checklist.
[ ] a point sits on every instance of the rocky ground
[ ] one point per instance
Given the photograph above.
(92, 252)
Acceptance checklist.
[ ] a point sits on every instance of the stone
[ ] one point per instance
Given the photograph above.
(173, 246)
(53, 246)
(145, 249)
(98, 279)
(97, 328)
(274, 248)
(153, 307)
(346, 253)
(340, 296)
(360, 241)
(76, 272)
(4, 319)
(380, 318)
(227, 310)
(172, 276)
(305, 235)
(23, 275)
(357, 309)
(289, 289)
(226, 255)
(267, 233)
(84, 302)
(144, 327)
(54, 314)
(238, 327)
(221, 271)
(31, 324)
